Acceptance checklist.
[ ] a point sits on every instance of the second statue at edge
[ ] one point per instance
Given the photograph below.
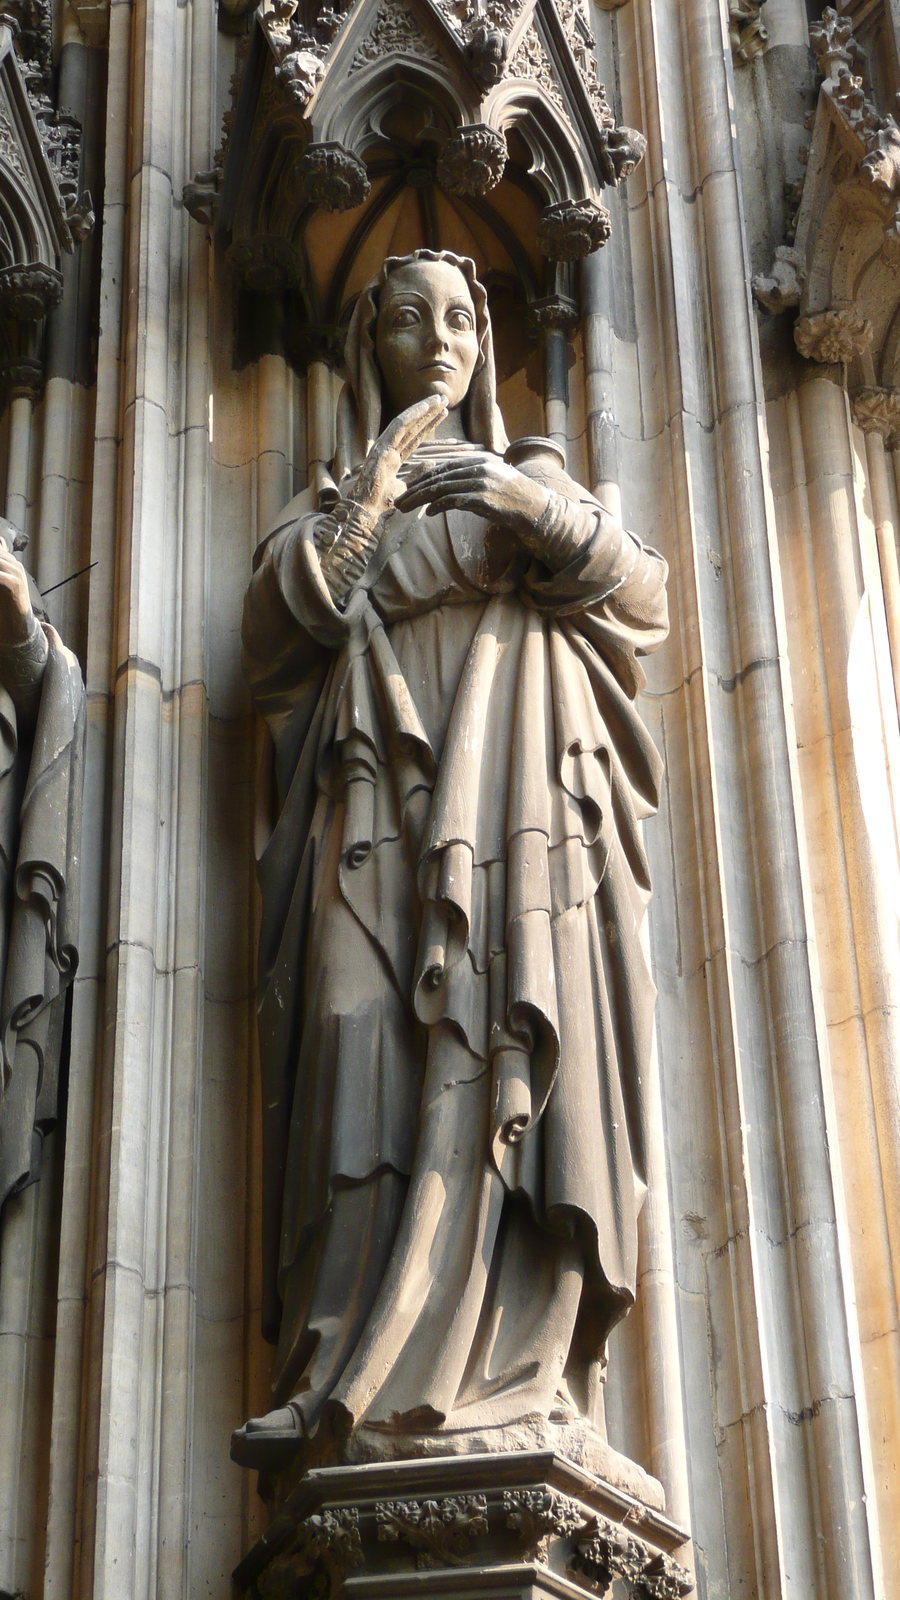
(455, 1008)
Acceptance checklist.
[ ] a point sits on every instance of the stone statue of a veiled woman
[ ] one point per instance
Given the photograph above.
(42, 724)
(454, 1005)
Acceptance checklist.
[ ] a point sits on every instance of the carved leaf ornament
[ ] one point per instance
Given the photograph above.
(845, 230)
(323, 79)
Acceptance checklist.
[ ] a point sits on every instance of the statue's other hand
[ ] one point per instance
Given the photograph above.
(378, 486)
(17, 620)
(485, 485)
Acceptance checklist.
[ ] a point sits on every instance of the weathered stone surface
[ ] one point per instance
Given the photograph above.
(523, 1523)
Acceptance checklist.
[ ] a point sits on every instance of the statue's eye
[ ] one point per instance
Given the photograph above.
(460, 321)
(405, 317)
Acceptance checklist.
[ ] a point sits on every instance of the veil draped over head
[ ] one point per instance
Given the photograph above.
(359, 412)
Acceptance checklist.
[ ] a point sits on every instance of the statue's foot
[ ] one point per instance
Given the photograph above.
(269, 1442)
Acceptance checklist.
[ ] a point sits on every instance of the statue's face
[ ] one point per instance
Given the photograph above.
(426, 339)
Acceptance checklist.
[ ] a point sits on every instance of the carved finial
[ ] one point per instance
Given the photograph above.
(833, 43)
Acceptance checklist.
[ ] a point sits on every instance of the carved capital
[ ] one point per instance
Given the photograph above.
(331, 177)
(442, 1531)
(28, 293)
(877, 410)
(573, 229)
(473, 161)
(833, 335)
(266, 263)
(25, 377)
(557, 311)
(201, 196)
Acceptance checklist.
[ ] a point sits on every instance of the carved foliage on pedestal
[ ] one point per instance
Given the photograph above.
(523, 1532)
(441, 1531)
(537, 1515)
(607, 1551)
(325, 1547)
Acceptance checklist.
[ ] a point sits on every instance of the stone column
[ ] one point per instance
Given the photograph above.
(758, 1052)
(21, 408)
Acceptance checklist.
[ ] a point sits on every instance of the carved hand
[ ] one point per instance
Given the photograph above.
(377, 486)
(17, 620)
(485, 485)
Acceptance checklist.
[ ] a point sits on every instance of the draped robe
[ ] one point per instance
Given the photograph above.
(454, 1004)
(40, 842)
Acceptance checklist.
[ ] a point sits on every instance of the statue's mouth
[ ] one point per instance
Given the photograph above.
(437, 366)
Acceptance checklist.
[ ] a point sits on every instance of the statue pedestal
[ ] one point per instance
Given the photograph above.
(517, 1526)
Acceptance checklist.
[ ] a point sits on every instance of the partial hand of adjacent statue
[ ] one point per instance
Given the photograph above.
(17, 619)
(351, 532)
(23, 644)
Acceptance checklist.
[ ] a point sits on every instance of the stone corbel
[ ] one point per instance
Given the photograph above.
(27, 293)
(200, 197)
(573, 229)
(331, 177)
(473, 161)
(833, 336)
(782, 287)
(266, 263)
(747, 30)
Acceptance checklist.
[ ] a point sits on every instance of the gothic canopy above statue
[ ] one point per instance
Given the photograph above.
(481, 83)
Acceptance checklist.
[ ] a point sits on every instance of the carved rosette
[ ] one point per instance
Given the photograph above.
(473, 161)
(832, 336)
(441, 1531)
(266, 263)
(330, 177)
(573, 229)
(27, 293)
(877, 410)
